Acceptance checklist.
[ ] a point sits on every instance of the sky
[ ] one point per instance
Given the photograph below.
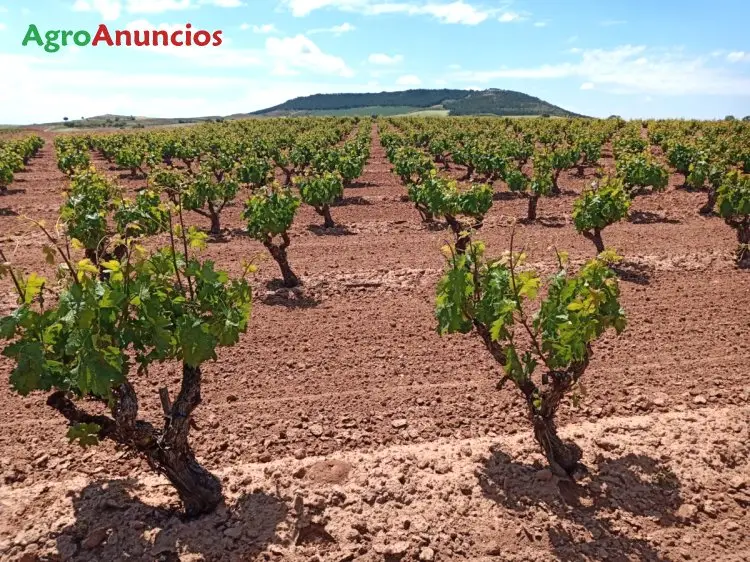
(634, 58)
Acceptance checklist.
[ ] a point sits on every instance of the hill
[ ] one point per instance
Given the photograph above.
(418, 102)
(455, 102)
(109, 121)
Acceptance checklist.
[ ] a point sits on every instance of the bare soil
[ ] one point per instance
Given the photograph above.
(345, 428)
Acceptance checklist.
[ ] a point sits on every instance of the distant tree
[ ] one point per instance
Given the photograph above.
(65, 118)
(746, 118)
(730, 118)
(614, 117)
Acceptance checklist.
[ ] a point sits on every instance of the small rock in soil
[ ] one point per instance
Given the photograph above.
(427, 554)
(687, 511)
(443, 467)
(233, 532)
(396, 549)
(399, 424)
(66, 547)
(95, 538)
(329, 471)
(544, 475)
(606, 445)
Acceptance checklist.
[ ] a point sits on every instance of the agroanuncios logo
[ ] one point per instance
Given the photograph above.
(55, 39)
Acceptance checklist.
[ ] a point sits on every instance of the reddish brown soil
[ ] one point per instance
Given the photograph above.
(329, 373)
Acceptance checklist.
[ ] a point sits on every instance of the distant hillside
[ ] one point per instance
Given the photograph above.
(456, 102)
(110, 121)
(419, 102)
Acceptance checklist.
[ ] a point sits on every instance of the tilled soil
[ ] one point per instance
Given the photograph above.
(345, 428)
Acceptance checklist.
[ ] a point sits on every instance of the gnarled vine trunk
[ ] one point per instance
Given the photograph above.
(563, 457)
(287, 175)
(167, 451)
(542, 403)
(743, 237)
(278, 252)
(424, 213)
(596, 237)
(555, 186)
(463, 238)
(325, 212)
(215, 224)
(708, 208)
(531, 212)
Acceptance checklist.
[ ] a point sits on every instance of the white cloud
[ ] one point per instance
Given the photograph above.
(91, 92)
(291, 54)
(384, 60)
(156, 6)
(456, 12)
(223, 3)
(408, 80)
(3, 10)
(610, 23)
(738, 56)
(301, 8)
(540, 24)
(3, 27)
(108, 9)
(343, 28)
(111, 9)
(587, 86)
(48, 88)
(264, 29)
(336, 30)
(508, 17)
(630, 69)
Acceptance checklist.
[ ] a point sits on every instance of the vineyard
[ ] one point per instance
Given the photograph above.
(398, 338)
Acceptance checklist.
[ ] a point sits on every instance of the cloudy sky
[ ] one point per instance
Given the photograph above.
(635, 58)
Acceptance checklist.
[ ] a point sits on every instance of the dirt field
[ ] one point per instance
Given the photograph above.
(345, 428)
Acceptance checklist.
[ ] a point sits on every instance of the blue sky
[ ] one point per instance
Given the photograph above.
(635, 58)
